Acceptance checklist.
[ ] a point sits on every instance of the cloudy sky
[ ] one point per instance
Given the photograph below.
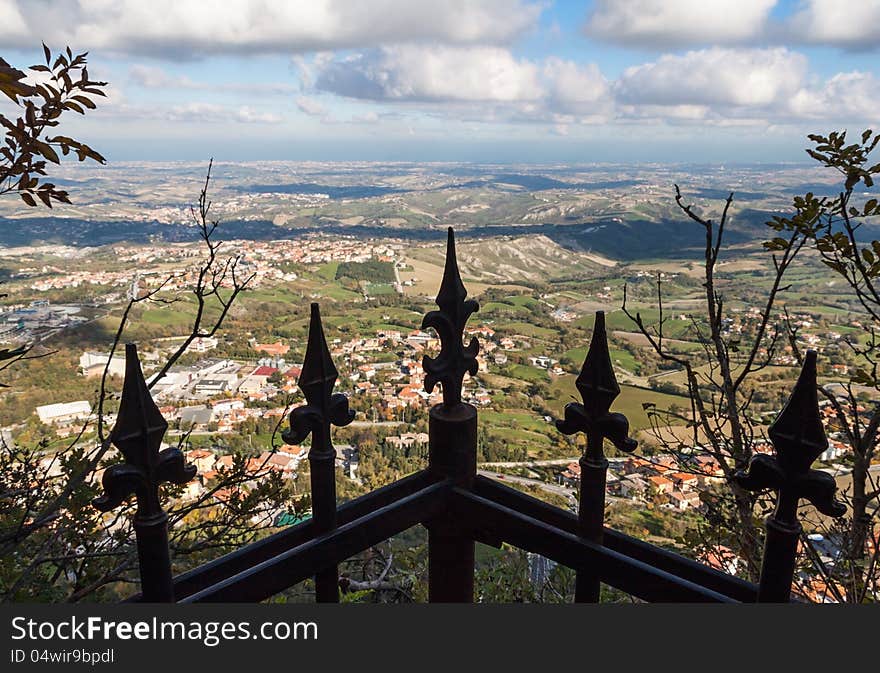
(474, 80)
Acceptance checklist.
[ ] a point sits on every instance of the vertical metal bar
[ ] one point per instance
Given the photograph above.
(591, 512)
(154, 559)
(777, 567)
(452, 453)
(323, 482)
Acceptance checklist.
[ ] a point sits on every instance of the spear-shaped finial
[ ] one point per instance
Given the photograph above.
(138, 435)
(799, 438)
(598, 388)
(316, 380)
(455, 359)
(323, 408)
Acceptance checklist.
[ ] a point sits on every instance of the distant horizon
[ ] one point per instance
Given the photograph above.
(486, 153)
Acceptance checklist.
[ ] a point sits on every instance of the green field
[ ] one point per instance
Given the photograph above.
(528, 373)
(620, 358)
(629, 403)
(526, 329)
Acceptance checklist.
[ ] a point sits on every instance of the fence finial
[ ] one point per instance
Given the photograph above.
(317, 379)
(138, 435)
(323, 408)
(799, 438)
(598, 388)
(455, 359)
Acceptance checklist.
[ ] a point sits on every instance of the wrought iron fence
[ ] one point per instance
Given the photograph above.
(456, 505)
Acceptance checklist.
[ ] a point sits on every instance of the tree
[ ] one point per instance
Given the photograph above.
(722, 420)
(55, 546)
(834, 225)
(30, 140)
(27, 147)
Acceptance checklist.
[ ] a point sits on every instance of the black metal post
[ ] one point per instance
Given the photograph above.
(453, 454)
(799, 438)
(322, 409)
(323, 482)
(598, 388)
(138, 435)
(780, 555)
(591, 511)
(452, 432)
(154, 558)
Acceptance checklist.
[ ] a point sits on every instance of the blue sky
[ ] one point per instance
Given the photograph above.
(472, 80)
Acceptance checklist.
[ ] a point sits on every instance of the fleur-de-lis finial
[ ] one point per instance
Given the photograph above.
(138, 435)
(598, 388)
(322, 407)
(455, 359)
(799, 438)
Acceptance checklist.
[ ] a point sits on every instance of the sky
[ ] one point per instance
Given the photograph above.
(519, 81)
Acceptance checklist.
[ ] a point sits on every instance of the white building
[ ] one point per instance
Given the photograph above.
(64, 412)
(92, 364)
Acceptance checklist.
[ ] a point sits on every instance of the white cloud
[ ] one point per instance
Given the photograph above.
(678, 22)
(151, 77)
(248, 115)
(844, 24)
(845, 97)
(174, 28)
(670, 113)
(721, 77)
(310, 106)
(412, 73)
(12, 23)
(198, 112)
(717, 86)
(575, 87)
(481, 84)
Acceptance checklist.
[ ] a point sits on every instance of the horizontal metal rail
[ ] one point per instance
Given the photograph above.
(623, 572)
(275, 574)
(212, 572)
(663, 559)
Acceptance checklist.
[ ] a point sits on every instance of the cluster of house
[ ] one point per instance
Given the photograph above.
(659, 479)
(58, 279)
(285, 461)
(546, 362)
(408, 442)
(268, 255)
(401, 384)
(831, 422)
(746, 321)
(267, 260)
